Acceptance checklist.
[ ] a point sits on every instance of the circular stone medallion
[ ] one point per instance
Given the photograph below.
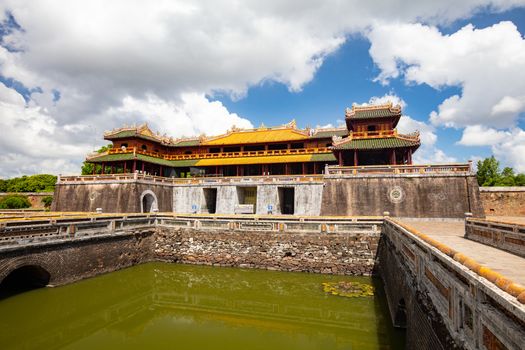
(396, 194)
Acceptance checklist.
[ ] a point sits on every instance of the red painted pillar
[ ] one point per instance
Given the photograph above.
(394, 157)
(160, 171)
(304, 168)
(103, 168)
(134, 165)
(94, 168)
(340, 156)
(355, 157)
(315, 168)
(125, 166)
(410, 156)
(142, 166)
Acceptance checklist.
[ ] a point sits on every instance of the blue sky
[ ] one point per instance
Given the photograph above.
(69, 71)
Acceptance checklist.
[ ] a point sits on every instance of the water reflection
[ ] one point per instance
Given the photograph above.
(178, 306)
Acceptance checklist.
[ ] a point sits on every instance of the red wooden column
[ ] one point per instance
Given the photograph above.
(134, 165)
(304, 168)
(286, 170)
(103, 168)
(393, 157)
(143, 166)
(315, 168)
(94, 168)
(410, 156)
(160, 171)
(125, 166)
(355, 157)
(340, 156)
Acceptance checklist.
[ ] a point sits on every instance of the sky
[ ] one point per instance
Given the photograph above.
(71, 70)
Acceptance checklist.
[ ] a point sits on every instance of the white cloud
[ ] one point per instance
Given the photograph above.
(386, 98)
(479, 135)
(487, 64)
(129, 61)
(507, 145)
(512, 150)
(194, 115)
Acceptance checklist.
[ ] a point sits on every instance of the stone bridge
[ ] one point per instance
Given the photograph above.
(446, 290)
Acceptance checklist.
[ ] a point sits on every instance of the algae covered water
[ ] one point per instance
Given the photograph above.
(171, 306)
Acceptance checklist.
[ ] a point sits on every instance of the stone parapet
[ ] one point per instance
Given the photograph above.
(503, 235)
(475, 306)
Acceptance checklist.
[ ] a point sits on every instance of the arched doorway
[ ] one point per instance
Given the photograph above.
(148, 202)
(22, 279)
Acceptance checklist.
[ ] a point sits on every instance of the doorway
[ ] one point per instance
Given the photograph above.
(210, 200)
(286, 200)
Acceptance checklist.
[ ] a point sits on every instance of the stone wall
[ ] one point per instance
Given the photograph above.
(191, 198)
(112, 197)
(72, 260)
(505, 236)
(445, 304)
(418, 196)
(338, 253)
(503, 201)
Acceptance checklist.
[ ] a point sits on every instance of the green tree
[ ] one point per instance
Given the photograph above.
(488, 171)
(14, 201)
(519, 180)
(87, 168)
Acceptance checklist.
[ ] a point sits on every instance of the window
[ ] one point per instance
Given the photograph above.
(144, 147)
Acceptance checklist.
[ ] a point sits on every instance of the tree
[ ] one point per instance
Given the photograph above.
(488, 171)
(490, 175)
(14, 201)
(87, 168)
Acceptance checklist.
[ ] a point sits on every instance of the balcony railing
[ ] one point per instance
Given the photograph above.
(382, 133)
(399, 169)
(261, 153)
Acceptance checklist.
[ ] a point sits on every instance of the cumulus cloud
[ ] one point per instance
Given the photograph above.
(506, 145)
(487, 64)
(129, 61)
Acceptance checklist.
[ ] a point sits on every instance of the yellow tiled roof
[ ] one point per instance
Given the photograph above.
(256, 136)
(255, 160)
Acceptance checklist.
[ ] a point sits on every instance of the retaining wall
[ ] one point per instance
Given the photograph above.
(446, 305)
(110, 196)
(503, 201)
(352, 252)
(417, 196)
(69, 260)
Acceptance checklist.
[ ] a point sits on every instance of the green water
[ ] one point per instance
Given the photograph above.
(171, 306)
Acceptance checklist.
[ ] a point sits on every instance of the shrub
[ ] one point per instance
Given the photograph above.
(47, 200)
(14, 201)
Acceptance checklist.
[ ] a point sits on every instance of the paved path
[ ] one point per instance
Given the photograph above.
(451, 233)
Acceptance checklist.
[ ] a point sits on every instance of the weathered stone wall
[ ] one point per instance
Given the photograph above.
(191, 198)
(123, 197)
(445, 304)
(505, 236)
(503, 201)
(72, 260)
(338, 253)
(419, 196)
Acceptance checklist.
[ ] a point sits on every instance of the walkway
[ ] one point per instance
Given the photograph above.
(451, 233)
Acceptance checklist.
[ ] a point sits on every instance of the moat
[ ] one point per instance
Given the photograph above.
(162, 305)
